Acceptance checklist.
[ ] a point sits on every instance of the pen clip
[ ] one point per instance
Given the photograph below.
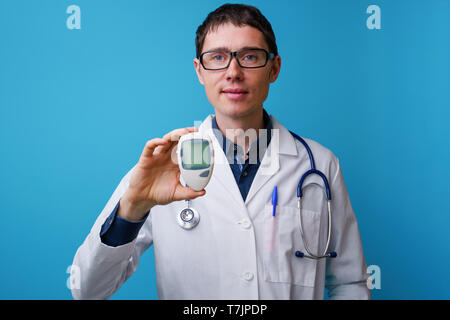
(274, 200)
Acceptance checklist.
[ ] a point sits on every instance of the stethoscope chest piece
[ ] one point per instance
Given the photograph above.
(188, 218)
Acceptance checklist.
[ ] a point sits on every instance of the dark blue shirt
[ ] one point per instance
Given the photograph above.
(244, 167)
(118, 231)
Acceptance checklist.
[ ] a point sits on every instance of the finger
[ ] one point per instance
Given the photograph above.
(167, 146)
(186, 193)
(170, 146)
(175, 135)
(151, 145)
(161, 149)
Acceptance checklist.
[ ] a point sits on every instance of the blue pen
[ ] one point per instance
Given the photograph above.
(274, 200)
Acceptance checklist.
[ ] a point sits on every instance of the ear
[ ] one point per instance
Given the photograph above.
(197, 66)
(275, 69)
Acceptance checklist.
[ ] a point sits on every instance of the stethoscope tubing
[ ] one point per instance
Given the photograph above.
(313, 170)
(325, 253)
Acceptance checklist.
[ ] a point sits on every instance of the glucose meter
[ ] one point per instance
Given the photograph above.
(195, 154)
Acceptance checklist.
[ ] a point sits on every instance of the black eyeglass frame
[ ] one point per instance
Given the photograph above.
(234, 54)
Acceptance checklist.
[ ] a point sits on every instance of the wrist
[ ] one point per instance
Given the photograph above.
(133, 210)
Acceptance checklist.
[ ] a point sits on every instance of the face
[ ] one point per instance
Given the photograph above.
(237, 92)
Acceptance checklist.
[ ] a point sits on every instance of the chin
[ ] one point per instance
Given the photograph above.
(236, 110)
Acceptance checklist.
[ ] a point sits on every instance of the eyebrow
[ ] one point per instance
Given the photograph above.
(228, 49)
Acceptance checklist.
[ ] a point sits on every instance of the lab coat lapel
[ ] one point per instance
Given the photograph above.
(222, 172)
(281, 142)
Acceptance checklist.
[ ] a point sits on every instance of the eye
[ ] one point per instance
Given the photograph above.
(218, 57)
(250, 57)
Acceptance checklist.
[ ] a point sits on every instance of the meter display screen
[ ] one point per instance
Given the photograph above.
(195, 154)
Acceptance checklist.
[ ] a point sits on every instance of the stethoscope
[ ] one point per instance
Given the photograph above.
(189, 218)
(313, 170)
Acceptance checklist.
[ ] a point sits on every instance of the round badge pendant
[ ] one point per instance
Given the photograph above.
(188, 218)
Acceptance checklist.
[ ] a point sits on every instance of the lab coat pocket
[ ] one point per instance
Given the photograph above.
(282, 238)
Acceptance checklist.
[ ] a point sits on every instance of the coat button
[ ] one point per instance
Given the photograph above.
(248, 276)
(245, 223)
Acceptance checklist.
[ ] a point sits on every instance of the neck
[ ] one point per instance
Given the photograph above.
(235, 129)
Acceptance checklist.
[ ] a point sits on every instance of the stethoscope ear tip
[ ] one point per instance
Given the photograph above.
(332, 254)
(299, 254)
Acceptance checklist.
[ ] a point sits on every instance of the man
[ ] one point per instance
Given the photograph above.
(239, 250)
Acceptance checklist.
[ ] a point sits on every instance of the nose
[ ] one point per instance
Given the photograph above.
(234, 71)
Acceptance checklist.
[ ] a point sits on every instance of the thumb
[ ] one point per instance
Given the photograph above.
(186, 193)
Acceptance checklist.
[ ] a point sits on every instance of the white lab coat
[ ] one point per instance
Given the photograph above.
(238, 250)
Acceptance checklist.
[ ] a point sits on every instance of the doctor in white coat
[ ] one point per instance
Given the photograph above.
(239, 250)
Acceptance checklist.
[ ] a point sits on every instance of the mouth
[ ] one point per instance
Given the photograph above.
(235, 93)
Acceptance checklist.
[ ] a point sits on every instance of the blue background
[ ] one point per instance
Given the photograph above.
(77, 106)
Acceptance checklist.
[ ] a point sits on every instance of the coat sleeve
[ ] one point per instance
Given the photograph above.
(102, 269)
(346, 276)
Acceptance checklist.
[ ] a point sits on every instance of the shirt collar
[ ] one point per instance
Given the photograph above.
(257, 148)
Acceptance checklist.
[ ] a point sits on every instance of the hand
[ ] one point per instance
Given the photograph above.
(155, 179)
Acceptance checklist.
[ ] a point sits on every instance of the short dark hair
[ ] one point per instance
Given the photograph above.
(239, 15)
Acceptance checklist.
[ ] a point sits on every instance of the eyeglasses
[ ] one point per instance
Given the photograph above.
(246, 58)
